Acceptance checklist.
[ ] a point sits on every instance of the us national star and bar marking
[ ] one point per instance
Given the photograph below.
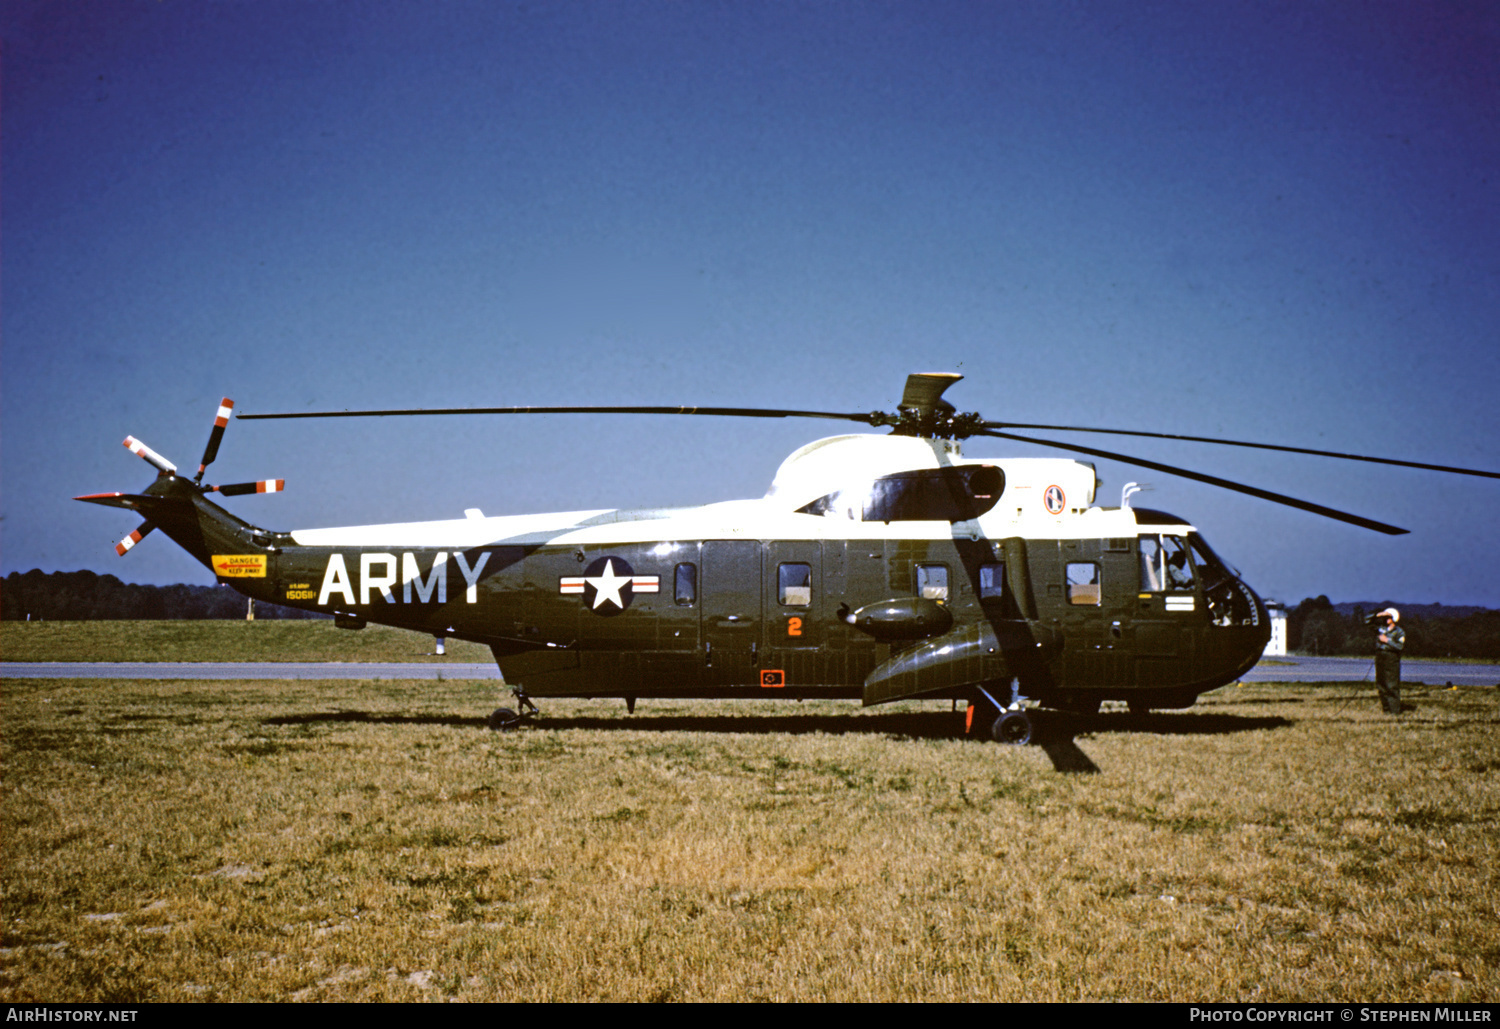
(608, 585)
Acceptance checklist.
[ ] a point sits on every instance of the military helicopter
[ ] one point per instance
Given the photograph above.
(877, 567)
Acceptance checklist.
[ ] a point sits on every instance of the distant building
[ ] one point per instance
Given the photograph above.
(1276, 646)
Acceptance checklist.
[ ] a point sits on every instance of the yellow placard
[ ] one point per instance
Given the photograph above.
(240, 566)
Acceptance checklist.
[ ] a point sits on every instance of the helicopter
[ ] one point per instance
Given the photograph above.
(878, 568)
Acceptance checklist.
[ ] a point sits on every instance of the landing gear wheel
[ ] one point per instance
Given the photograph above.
(1012, 727)
(503, 719)
(1139, 707)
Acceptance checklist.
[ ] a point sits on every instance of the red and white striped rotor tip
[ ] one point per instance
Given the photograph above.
(237, 489)
(140, 449)
(124, 546)
(215, 436)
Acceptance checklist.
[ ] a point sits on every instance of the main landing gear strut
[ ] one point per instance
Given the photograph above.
(1007, 723)
(504, 719)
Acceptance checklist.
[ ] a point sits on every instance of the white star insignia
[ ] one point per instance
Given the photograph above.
(608, 585)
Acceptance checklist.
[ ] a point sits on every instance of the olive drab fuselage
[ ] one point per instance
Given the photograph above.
(880, 568)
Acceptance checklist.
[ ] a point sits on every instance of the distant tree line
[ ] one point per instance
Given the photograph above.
(1316, 626)
(85, 595)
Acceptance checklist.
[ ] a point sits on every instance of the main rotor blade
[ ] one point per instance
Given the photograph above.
(925, 389)
(732, 412)
(1243, 443)
(1238, 487)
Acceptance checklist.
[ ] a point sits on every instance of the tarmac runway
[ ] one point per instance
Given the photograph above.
(242, 670)
(1278, 669)
(1355, 669)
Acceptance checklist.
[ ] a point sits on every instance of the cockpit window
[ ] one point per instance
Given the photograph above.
(1212, 567)
(952, 494)
(1230, 601)
(1165, 565)
(1167, 568)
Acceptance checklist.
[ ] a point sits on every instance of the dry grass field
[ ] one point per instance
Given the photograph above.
(222, 640)
(372, 841)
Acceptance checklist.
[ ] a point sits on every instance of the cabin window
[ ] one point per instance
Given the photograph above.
(794, 584)
(1165, 566)
(932, 582)
(991, 580)
(687, 584)
(1083, 583)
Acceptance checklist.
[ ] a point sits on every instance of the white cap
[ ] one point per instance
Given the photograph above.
(1389, 612)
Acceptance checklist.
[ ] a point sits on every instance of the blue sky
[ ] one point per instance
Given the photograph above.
(1266, 221)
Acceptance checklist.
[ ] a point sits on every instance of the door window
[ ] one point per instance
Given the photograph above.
(794, 584)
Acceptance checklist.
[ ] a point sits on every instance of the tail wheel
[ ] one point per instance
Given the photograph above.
(503, 719)
(1012, 727)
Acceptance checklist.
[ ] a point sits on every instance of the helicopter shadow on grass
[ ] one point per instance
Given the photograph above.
(1055, 733)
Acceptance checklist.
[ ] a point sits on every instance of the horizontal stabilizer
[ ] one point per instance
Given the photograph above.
(133, 501)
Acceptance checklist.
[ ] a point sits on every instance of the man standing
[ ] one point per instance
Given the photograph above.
(1389, 641)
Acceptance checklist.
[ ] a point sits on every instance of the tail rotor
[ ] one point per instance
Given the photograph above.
(166, 469)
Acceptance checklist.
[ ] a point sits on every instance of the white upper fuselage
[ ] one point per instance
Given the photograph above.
(1042, 498)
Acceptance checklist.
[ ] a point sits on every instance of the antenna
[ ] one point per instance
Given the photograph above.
(1130, 490)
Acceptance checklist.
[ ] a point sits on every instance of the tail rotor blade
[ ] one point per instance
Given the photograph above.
(124, 546)
(238, 489)
(215, 437)
(150, 456)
